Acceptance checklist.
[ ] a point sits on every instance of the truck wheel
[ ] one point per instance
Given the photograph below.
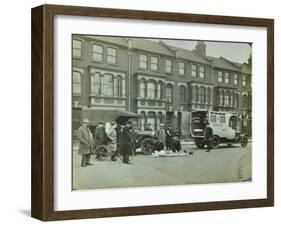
(147, 146)
(244, 141)
(215, 142)
(200, 144)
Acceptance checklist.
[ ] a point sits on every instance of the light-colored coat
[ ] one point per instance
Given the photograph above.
(112, 144)
(85, 138)
(161, 135)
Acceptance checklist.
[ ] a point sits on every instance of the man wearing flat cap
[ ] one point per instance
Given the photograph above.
(85, 143)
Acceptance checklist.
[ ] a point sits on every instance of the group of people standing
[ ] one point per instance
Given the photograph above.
(110, 135)
(167, 139)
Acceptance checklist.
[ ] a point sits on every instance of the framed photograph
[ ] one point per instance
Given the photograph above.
(141, 112)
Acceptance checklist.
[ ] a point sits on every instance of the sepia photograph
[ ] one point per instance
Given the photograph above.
(160, 112)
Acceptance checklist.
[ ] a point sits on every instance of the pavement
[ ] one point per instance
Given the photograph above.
(222, 165)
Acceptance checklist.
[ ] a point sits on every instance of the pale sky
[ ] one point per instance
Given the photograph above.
(237, 52)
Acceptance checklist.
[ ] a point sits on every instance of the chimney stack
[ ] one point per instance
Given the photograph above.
(200, 48)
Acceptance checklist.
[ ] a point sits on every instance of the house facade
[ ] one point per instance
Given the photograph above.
(161, 83)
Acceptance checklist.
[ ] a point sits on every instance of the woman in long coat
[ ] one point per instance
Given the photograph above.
(112, 144)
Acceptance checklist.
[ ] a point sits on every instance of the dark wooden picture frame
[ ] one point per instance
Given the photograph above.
(42, 203)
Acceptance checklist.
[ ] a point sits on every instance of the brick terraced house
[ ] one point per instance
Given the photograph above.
(162, 83)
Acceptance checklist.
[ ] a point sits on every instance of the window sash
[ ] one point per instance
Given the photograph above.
(159, 90)
(151, 88)
(119, 86)
(77, 48)
(220, 76)
(193, 70)
(77, 52)
(108, 85)
(244, 83)
(181, 68)
(143, 61)
(245, 101)
(97, 52)
(202, 72)
(77, 88)
(235, 79)
(182, 93)
(76, 82)
(96, 84)
(111, 55)
(202, 95)
(222, 98)
(154, 63)
(226, 99)
(208, 96)
(169, 91)
(142, 89)
(226, 77)
(168, 66)
(77, 44)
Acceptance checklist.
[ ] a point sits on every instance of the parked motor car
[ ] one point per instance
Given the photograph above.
(144, 140)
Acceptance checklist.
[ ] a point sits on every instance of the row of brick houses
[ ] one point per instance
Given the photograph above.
(160, 82)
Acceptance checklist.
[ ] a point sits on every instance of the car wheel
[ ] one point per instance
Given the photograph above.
(215, 142)
(147, 146)
(244, 141)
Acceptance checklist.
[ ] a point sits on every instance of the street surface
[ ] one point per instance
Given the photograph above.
(225, 164)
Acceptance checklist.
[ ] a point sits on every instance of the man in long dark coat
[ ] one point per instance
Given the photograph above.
(99, 134)
(85, 143)
(208, 134)
(169, 138)
(126, 142)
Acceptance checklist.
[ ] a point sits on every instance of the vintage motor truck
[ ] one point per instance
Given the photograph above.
(226, 128)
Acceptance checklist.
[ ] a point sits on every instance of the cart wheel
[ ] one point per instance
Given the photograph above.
(244, 141)
(101, 152)
(200, 144)
(215, 142)
(147, 146)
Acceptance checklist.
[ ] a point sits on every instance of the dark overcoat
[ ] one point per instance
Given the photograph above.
(208, 133)
(126, 141)
(99, 136)
(85, 138)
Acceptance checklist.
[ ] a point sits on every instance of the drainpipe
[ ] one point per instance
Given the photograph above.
(212, 80)
(129, 73)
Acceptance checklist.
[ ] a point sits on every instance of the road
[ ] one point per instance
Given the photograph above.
(225, 164)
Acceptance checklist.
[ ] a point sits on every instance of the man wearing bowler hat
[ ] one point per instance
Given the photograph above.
(85, 143)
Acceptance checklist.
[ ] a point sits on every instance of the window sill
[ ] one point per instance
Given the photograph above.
(107, 96)
(96, 61)
(113, 64)
(77, 58)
